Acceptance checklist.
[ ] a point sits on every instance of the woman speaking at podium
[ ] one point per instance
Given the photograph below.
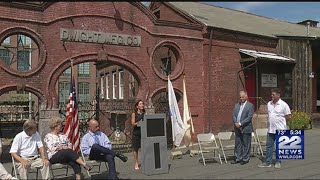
(137, 116)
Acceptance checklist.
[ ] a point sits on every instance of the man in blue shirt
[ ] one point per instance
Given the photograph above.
(98, 146)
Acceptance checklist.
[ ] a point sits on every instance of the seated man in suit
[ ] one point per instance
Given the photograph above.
(97, 145)
(25, 150)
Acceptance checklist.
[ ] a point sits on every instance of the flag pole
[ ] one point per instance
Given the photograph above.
(188, 118)
(72, 79)
(173, 146)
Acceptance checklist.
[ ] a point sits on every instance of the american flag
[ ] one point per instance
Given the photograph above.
(71, 129)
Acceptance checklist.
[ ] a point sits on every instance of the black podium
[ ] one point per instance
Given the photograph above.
(154, 155)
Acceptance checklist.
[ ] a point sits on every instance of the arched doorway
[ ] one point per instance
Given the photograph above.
(160, 102)
(17, 106)
(105, 91)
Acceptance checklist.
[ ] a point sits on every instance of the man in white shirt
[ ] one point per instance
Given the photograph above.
(3, 172)
(25, 150)
(278, 113)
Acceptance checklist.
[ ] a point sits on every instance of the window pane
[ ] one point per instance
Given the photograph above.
(4, 54)
(121, 84)
(132, 89)
(114, 87)
(166, 66)
(107, 86)
(102, 87)
(84, 92)
(84, 69)
(6, 41)
(67, 72)
(24, 40)
(64, 90)
(23, 60)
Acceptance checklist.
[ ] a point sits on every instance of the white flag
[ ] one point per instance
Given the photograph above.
(178, 128)
(187, 119)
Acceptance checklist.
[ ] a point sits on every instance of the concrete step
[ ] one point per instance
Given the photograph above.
(315, 121)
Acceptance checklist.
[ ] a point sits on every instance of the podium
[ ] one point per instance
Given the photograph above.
(154, 155)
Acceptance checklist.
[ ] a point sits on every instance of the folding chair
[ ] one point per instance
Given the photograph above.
(254, 144)
(15, 171)
(58, 166)
(92, 163)
(208, 143)
(226, 141)
(261, 134)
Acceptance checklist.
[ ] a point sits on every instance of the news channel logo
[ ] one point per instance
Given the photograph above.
(290, 144)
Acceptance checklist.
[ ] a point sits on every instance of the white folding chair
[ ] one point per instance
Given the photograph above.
(92, 163)
(207, 143)
(261, 134)
(226, 141)
(254, 144)
(15, 171)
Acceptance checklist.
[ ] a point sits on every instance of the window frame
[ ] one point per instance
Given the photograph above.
(121, 84)
(114, 85)
(107, 86)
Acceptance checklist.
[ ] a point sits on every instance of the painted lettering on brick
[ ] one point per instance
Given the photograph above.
(74, 35)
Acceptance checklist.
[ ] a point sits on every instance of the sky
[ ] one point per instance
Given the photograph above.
(286, 11)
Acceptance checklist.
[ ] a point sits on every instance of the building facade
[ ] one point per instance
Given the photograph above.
(130, 50)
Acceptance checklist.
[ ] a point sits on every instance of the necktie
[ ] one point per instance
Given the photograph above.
(240, 112)
(96, 139)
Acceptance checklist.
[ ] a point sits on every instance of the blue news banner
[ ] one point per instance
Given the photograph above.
(290, 144)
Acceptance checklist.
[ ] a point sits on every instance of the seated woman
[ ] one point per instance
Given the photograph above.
(60, 150)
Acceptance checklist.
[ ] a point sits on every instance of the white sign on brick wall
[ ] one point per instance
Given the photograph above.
(268, 80)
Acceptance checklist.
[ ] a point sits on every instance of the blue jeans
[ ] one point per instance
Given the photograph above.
(271, 138)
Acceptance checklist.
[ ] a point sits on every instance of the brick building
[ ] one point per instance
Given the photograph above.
(135, 47)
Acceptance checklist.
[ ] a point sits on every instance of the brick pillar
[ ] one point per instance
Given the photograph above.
(45, 117)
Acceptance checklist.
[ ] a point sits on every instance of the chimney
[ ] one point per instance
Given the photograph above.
(307, 22)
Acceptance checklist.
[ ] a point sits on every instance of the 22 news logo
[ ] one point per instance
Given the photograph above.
(290, 144)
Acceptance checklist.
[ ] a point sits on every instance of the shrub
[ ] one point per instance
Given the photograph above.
(299, 120)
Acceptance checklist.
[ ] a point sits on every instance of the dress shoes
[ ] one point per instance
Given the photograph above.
(235, 162)
(122, 157)
(244, 162)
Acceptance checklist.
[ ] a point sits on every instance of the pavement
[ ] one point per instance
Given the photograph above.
(190, 168)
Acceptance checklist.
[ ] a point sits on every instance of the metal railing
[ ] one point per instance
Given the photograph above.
(260, 99)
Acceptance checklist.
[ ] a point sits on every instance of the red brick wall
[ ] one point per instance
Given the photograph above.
(224, 67)
(90, 16)
(99, 16)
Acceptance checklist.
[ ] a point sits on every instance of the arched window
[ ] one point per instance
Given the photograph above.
(20, 52)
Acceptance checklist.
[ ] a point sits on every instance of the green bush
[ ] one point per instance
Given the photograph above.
(299, 120)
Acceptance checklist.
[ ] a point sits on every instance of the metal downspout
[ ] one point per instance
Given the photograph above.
(238, 76)
(209, 79)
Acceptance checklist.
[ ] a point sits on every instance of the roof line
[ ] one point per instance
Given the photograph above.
(297, 37)
(240, 11)
(183, 12)
(251, 14)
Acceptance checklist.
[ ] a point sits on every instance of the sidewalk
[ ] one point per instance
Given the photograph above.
(189, 167)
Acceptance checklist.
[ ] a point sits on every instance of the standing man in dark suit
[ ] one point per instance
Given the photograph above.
(242, 119)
